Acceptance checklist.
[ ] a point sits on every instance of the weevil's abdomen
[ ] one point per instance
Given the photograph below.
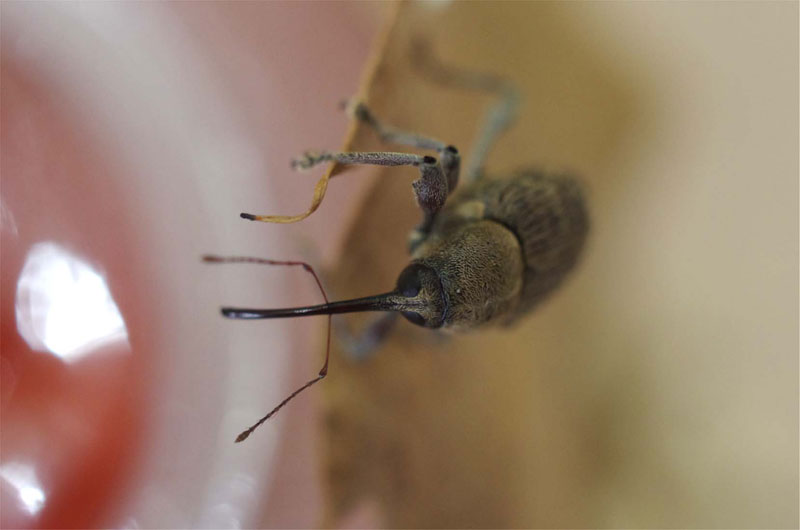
(548, 215)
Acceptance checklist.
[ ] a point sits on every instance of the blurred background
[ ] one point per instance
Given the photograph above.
(659, 388)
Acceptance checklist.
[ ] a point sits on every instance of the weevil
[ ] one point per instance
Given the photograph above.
(486, 253)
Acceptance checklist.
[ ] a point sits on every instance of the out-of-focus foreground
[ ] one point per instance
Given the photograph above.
(133, 134)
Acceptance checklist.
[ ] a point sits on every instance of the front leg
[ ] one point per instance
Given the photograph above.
(449, 156)
(430, 189)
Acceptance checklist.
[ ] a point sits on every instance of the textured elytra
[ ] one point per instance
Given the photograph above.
(547, 213)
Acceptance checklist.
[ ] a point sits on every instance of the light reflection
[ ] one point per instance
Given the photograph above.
(63, 305)
(22, 478)
(229, 494)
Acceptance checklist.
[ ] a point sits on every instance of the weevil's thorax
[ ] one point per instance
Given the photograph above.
(480, 269)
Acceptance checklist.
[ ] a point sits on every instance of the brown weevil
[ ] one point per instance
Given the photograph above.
(488, 253)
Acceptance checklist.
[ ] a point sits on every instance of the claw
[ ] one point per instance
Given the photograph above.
(306, 161)
(356, 110)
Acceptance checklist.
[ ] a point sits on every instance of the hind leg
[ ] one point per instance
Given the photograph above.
(499, 117)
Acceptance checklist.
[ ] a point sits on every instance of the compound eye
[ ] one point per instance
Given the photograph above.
(409, 282)
(414, 318)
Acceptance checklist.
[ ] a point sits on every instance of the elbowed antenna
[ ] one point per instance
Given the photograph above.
(323, 371)
(391, 301)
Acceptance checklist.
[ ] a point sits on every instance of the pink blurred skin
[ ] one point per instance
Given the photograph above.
(132, 136)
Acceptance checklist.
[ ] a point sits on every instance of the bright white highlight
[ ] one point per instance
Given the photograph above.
(63, 305)
(23, 479)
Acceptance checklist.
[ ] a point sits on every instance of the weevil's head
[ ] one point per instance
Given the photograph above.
(419, 296)
(467, 276)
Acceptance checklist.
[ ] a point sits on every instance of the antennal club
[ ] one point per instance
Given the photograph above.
(323, 371)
